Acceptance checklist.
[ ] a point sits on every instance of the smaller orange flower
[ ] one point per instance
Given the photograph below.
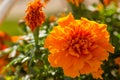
(117, 61)
(75, 2)
(34, 14)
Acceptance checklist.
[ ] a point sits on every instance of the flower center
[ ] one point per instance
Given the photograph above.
(79, 46)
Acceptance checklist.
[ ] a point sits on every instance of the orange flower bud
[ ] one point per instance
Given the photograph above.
(34, 14)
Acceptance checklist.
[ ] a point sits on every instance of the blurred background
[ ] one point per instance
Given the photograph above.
(10, 24)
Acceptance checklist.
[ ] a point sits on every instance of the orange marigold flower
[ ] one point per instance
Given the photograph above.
(78, 46)
(34, 14)
(117, 60)
(75, 2)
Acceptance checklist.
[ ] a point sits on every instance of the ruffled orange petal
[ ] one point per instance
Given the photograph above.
(100, 54)
(97, 74)
(108, 47)
(70, 72)
(78, 64)
(59, 60)
(86, 69)
(66, 20)
(95, 64)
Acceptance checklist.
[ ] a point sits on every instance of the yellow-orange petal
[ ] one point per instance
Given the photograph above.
(55, 60)
(97, 74)
(95, 64)
(66, 20)
(71, 72)
(78, 64)
(108, 47)
(86, 69)
(100, 54)
(52, 60)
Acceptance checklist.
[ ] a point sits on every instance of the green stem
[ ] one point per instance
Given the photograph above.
(36, 36)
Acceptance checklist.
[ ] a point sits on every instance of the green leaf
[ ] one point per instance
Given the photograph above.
(15, 61)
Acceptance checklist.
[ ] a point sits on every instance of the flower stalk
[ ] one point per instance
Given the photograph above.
(36, 36)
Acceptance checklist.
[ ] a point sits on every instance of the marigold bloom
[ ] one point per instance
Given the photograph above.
(75, 2)
(34, 14)
(117, 60)
(78, 46)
